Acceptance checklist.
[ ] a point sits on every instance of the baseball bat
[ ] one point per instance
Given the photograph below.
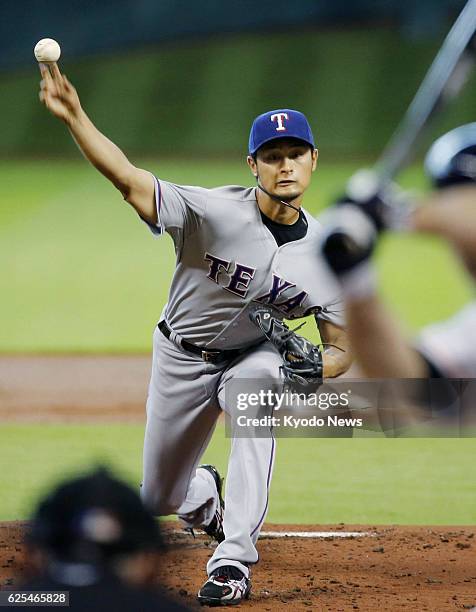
(385, 204)
(443, 81)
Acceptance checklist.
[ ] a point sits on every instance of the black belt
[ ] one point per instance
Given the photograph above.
(208, 355)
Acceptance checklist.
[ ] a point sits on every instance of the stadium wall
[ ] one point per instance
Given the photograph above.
(199, 98)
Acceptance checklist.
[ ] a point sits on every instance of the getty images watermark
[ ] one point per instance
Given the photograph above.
(288, 400)
(352, 408)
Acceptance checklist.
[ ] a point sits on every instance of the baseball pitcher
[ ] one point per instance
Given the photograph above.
(246, 257)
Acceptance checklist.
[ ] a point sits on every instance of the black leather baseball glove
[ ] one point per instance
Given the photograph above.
(302, 361)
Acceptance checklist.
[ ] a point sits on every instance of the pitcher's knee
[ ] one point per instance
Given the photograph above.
(157, 501)
(263, 370)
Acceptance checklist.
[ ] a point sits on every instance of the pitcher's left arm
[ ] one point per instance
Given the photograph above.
(336, 353)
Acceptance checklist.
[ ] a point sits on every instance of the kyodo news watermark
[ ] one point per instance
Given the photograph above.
(286, 401)
(352, 408)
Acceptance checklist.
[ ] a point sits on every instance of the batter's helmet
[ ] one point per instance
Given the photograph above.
(452, 157)
(92, 518)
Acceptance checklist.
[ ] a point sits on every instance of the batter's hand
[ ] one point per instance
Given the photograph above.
(353, 225)
(58, 95)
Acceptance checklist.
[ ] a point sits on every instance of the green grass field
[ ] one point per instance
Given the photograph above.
(381, 481)
(80, 272)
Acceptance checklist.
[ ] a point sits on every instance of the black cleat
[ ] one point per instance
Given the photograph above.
(227, 586)
(215, 528)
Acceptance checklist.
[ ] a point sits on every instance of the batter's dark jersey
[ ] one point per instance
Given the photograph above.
(108, 594)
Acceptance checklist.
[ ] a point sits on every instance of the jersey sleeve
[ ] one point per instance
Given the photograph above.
(180, 209)
(330, 300)
(332, 311)
(451, 345)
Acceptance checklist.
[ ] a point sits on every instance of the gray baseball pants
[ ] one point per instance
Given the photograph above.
(185, 398)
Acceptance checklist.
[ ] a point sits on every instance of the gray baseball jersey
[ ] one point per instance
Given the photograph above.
(227, 259)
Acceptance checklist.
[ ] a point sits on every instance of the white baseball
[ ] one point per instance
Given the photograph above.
(47, 50)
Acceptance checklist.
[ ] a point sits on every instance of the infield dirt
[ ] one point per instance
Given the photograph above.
(393, 568)
(398, 568)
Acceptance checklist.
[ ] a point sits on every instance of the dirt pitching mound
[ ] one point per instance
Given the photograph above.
(388, 568)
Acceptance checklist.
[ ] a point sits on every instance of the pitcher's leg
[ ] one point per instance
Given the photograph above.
(181, 416)
(250, 465)
(172, 451)
(247, 485)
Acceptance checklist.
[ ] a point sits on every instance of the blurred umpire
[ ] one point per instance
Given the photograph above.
(444, 349)
(92, 537)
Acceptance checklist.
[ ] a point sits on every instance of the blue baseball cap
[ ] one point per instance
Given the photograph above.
(281, 123)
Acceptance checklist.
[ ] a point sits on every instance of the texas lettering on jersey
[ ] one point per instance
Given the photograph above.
(239, 283)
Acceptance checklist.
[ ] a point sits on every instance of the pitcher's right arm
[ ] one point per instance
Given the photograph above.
(135, 184)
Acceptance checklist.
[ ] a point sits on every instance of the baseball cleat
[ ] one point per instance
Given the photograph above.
(227, 586)
(215, 528)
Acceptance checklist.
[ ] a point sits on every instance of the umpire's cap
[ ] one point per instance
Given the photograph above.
(92, 518)
(452, 158)
(281, 123)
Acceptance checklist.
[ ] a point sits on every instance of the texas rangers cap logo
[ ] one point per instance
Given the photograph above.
(279, 118)
(281, 123)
